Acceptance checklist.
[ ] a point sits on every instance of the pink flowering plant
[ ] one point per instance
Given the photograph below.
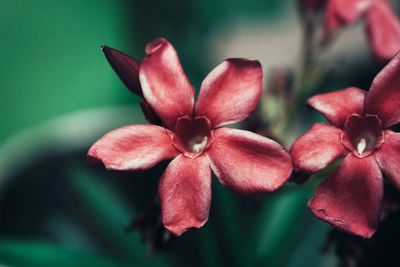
(191, 134)
(191, 137)
(286, 153)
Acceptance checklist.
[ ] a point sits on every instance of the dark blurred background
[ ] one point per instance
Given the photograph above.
(58, 95)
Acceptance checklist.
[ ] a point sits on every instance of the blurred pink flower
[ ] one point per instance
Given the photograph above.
(192, 136)
(351, 199)
(382, 25)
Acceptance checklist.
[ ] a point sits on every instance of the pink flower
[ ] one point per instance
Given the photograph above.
(351, 199)
(192, 136)
(382, 25)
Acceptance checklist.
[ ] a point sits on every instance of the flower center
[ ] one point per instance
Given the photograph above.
(192, 135)
(197, 144)
(362, 134)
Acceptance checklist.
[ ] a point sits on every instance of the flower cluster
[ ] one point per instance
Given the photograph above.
(191, 134)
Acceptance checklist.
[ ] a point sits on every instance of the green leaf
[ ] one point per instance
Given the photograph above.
(309, 248)
(233, 231)
(279, 222)
(285, 220)
(112, 215)
(54, 62)
(34, 253)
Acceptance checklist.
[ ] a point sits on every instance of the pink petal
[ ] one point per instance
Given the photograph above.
(133, 147)
(383, 29)
(388, 157)
(126, 67)
(247, 162)
(230, 92)
(164, 83)
(351, 199)
(185, 193)
(336, 106)
(383, 97)
(317, 148)
(343, 12)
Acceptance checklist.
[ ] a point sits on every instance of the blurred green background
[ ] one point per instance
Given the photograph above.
(59, 95)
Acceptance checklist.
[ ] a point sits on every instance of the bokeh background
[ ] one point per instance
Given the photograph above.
(58, 95)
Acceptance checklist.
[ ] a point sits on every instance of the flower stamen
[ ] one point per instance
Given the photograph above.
(361, 145)
(198, 144)
(362, 134)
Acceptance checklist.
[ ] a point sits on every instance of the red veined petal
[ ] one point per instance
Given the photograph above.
(336, 106)
(351, 200)
(185, 193)
(247, 162)
(317, 148)
(383, 97)
(388, 157)
(230, 92)
(133, 147)
(164, 83)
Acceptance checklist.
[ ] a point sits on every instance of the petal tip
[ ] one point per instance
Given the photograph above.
(323, 214)
(250, 61)
(126, 67)
(178, 230)
(155, 45)
(252, 65)
(175, 230)
(93, 161)
(106, 50)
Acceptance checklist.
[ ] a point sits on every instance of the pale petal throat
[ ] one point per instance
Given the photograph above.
(361, 145)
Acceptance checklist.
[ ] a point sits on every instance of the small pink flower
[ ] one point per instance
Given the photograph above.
(351, 199)
(382, 25)
(192, 136)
